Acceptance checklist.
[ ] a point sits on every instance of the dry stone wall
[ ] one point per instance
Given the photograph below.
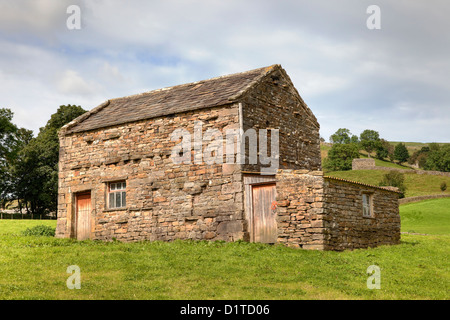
(348, 228)
(275, 104)
(165, 201)
(316, 212)
(300, 208)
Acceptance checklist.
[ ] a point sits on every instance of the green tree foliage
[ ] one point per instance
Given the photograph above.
(33, 171)
(40, 162)
(439, 158)
(420, 157)
(369, 140)
(343, 136)
(395, 179)
(401, 153)
(7, 149)
(384, 150)
(340, 157)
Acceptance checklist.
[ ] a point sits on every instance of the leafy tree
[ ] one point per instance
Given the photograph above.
(342, 136)
(395, 179)
(401, 153)
(7, 134)
(438, 159)
(420, 157)
(340, 157)
(369, 140)
(37, 164)
(13, 179)
(384, 149)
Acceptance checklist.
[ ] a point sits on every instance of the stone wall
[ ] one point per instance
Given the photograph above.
(421, 198)
(275, 104)
(316, 212)
(300, 208)
(348, 228)
(363, 164)
(165, 201)
(369, 164)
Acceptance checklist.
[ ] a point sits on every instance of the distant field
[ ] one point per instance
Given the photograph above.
(429, 216)
(414, 146)
(416, 184)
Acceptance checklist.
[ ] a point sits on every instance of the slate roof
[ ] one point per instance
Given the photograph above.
(181, 98)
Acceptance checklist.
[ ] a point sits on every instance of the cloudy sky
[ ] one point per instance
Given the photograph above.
(395, 80)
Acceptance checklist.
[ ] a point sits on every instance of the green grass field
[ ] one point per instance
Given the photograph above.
(418, 268)
(428, 216)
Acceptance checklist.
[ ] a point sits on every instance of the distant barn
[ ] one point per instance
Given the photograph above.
(128, 173)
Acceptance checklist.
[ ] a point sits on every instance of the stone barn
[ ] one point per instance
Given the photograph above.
(231, 158)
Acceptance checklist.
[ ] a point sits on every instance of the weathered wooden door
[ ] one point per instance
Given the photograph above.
(83, 216)
(264, 214)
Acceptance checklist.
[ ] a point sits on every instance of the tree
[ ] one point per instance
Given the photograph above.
(419, 157)
(12, 178)
(401, 153)
(7, 133)
(395, 179)
(369, 140)
(37, 163)
(342, 136)
(438, 159)
(384, 149)
(340, 157)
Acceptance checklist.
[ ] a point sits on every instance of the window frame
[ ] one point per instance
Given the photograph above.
(116, 191)
(367, 205)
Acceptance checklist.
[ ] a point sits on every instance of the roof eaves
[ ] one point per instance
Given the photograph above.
(66, 129)
(362, 184)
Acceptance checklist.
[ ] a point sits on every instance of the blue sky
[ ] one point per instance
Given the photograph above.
(394, 80)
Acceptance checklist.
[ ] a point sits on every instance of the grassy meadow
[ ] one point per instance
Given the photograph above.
(34, 267)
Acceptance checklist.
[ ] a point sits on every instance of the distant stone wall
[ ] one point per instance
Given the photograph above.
(369, 164)
(420, 198)
(363, 164)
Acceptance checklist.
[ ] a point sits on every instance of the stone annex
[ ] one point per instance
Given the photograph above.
(118, 178)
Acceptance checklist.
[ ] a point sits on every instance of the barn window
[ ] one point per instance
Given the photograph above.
(117, 195)
(367, 205)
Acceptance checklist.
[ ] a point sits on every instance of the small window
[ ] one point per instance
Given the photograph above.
(367, 205)
(117, 195)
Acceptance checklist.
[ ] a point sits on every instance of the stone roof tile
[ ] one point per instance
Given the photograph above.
(181, 98)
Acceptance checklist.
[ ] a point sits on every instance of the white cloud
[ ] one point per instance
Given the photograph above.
(346, 73)
(71, 83)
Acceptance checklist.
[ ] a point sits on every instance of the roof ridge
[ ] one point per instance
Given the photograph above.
(210, 92)
(267, 70)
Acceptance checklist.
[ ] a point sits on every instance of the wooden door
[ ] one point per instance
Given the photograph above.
(83, 216)
(264, 214)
